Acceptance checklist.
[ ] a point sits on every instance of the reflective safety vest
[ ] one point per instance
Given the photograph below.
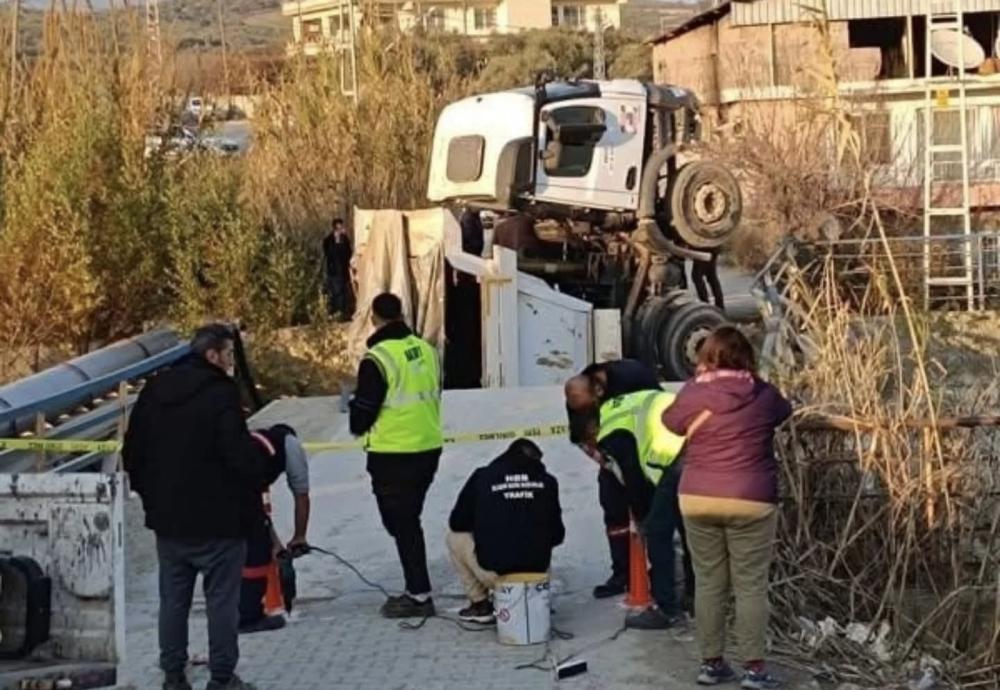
(410, 418)
(640, 415)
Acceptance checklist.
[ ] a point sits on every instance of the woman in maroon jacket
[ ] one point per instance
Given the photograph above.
(728, 497)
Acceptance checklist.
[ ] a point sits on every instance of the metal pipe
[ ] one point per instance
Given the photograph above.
(75, 374)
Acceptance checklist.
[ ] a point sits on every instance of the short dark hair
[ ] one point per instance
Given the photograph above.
(336, 222)
(593, 370)
(528, 449)
(212, 336)
(727, 348)
(388, 307)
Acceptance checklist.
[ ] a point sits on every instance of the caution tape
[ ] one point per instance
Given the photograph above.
(58, 446)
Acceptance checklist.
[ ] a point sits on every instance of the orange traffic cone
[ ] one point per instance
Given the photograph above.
(638, 572)
(274, 602)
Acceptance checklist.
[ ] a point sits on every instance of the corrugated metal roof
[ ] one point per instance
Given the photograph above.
(746, 12)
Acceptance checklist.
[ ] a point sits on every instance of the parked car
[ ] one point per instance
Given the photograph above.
(181, 140)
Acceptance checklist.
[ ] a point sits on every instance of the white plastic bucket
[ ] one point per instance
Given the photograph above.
(521, 602)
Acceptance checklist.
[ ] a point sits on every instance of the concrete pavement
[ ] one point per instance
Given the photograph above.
(336, 639)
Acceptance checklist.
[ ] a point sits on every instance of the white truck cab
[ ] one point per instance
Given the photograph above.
(606, 176)
(573, 144)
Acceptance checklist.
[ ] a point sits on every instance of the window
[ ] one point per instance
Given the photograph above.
(434, 20)
(312, 31)
(876, 137)
(571, 16)
(879, 50)
(465, 159)
(484, 18)
(572, 134)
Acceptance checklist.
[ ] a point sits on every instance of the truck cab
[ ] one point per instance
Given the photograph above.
(606, 182)
(556, 147)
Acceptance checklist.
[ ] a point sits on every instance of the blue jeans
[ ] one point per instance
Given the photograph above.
(663, 519)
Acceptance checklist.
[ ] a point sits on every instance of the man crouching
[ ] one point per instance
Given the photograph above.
(507, 520)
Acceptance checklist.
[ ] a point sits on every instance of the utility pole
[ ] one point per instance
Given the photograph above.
(225, 55)
(16, 12)
(600, 58)
(153, 34)
(348, 54)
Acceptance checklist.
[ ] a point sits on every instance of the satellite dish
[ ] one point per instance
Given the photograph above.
(948, 45)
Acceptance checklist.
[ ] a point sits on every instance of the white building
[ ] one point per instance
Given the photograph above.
(318, 23)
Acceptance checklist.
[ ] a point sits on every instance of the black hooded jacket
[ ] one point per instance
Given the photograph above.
(511, 507)
(190, 457)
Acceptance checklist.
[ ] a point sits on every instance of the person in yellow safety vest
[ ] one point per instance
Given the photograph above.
(632, 435)
(397, 410)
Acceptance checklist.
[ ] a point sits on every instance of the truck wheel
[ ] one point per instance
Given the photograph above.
(682, 334)
(645, 337)
(705, 203)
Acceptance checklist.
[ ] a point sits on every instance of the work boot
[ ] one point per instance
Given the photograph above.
(479, 612)
(234, 684)
(265, 624)
(653, 619)
(176, 681)
(405, 606)
(615, 586)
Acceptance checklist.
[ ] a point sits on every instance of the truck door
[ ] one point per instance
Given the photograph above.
(590, 152)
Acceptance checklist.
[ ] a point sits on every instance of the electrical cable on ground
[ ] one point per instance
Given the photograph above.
(411, 627)
(347, 564)
(403, 625)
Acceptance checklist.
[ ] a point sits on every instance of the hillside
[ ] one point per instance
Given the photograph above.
(250, 25)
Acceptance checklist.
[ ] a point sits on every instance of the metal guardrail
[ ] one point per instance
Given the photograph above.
(956, 272)
(97, 386)
(98, 423)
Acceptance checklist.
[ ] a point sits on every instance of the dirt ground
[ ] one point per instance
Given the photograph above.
(302, 362)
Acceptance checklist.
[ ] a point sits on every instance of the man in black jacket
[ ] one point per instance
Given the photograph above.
(584, 395)
(191, 459)
(507, 520)
(337, 252)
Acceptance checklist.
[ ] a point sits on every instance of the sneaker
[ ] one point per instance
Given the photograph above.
(478, 612)
(176, 681)
(265, 624)
(716, 673)
(234, 684)
(405, 606)
(615, 586)
(653, 619)
(759, 680)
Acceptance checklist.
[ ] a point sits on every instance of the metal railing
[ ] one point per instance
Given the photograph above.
(100, 423)
(939, 272)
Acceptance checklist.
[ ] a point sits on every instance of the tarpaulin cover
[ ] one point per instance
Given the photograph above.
(402, 252)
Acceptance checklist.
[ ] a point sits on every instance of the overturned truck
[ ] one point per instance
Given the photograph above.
(601, 197)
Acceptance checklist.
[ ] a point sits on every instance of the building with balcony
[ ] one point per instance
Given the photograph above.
(757, 58)
(316, 24)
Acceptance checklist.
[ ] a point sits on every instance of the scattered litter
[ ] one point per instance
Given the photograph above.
(863, 634)
(930, 673)
(815, 634)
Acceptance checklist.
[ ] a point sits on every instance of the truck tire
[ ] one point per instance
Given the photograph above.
(705, 204)
(682, 334)
(645, 335)
(650, 321)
